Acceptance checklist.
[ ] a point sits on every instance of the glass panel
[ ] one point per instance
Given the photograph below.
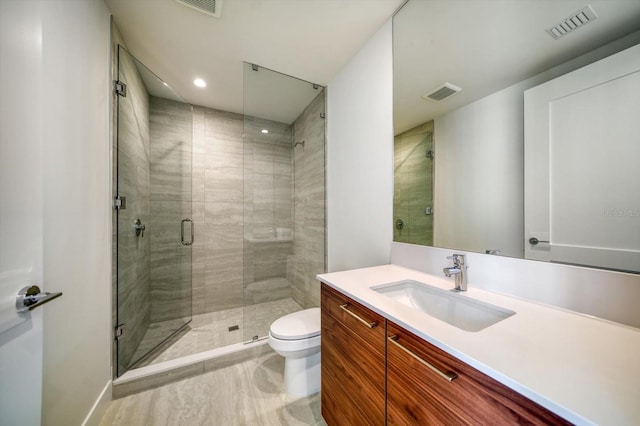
(153, 154)
(284, 181)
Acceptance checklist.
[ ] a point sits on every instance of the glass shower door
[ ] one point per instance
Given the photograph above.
(153, 226)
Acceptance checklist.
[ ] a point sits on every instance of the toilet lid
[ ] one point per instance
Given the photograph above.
(297, 325)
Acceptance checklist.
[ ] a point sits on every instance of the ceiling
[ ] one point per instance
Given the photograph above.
(484, 46)
(308, 39)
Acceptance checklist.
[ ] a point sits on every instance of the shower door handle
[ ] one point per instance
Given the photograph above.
(186, 243)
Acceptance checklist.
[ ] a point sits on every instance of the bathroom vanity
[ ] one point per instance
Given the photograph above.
(384, 362)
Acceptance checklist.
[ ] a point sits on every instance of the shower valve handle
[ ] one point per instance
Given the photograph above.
(139, 227)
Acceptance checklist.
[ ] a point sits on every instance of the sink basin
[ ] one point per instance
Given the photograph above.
(452, 308)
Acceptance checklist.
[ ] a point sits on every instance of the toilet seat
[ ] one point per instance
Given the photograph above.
(295, 348)
(299, 325)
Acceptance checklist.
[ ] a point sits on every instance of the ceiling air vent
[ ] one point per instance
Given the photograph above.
(442, 92)
(573, 22)
(210, 7)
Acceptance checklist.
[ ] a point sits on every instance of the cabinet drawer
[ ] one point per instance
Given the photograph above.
(419, 393)
(356, 364)
(363, 321)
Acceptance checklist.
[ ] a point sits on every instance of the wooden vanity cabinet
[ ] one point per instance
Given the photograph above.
(420, 389)
(375, 372)
(353, 361)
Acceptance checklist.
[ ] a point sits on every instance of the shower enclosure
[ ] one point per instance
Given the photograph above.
(219, 225)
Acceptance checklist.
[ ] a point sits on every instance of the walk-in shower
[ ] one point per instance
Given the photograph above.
(219, 220)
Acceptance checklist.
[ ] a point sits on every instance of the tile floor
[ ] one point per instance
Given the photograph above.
(248, 393)
(210, 331)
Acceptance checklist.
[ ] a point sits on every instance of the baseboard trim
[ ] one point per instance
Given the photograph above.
(99, 407)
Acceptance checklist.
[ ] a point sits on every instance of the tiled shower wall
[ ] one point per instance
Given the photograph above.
(170, 165)
(217, 210)
(242, 192)
(133, 182)
(309, 254)
(248, 247)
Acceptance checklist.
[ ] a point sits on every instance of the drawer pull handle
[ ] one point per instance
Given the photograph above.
(368, 324)
(448, 376)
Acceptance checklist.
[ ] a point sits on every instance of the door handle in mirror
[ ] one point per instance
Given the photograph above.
(533, 241)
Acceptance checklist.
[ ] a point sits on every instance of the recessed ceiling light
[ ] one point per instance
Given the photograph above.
(265, 131)
(200, 82)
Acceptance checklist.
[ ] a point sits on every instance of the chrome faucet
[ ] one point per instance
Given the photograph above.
(459, 269)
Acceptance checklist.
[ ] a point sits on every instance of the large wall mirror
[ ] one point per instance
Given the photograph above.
(461, 71)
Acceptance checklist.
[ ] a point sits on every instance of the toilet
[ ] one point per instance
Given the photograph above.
(296, 337)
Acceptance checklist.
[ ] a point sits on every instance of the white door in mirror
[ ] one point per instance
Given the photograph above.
(578, 128)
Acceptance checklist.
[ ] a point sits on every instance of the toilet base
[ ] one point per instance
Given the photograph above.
(302, 375)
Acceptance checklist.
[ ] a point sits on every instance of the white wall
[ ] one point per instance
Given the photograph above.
(77, 211)
(478, 195)
(360, 157)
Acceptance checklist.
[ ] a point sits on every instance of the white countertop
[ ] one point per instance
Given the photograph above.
(584, 369)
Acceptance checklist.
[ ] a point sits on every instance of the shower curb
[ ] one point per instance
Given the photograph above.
(153, 376)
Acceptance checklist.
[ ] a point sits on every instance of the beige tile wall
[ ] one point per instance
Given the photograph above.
(309, 256)
(171, 180)
(218, 210)
(243, 190)
(413, 185)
